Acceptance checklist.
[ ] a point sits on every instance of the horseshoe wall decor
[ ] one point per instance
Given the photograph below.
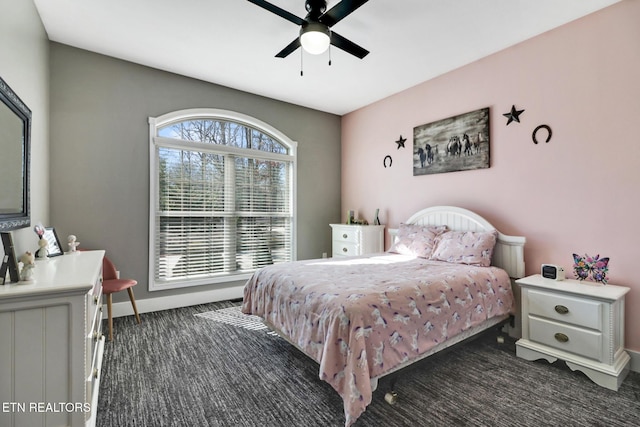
(535, 141)
(384, 162)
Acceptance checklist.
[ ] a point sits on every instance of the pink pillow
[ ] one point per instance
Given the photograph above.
(417, 240)
(465, 247)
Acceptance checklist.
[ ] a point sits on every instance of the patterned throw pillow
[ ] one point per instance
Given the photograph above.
(417, 240)
(465, 247)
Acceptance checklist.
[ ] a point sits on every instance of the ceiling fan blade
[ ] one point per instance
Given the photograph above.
(291, 47)
(348, 46)
(340, 11)
(278, 11)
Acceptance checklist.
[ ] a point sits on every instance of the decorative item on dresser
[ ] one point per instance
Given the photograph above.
(9, 262)
(55, 247)
(348, 240)
(578, 322)
(52, 343)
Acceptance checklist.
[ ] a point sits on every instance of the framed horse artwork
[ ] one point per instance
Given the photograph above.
(457, 143)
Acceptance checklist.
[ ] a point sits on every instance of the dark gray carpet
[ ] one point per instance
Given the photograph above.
(179, 369)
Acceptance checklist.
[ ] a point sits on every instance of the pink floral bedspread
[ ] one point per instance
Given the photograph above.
(359, 317)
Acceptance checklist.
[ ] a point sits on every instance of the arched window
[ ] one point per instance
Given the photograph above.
(222, 197)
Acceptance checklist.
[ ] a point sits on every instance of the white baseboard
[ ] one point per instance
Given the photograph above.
(120, 309)
(635, 360)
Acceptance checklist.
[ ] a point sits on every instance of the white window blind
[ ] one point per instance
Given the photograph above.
(223, 204)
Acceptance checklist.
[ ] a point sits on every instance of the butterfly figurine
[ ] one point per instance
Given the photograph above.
(580, 267)
(599, 269)
(594, 266)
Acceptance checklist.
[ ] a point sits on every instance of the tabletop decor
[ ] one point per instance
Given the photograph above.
(591, 265)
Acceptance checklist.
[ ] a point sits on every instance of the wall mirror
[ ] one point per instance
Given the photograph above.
(15, 144)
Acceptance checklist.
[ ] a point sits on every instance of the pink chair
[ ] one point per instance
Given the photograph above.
(110, 284)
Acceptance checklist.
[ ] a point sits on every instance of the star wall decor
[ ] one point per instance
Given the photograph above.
(513, 115)
(401, 142)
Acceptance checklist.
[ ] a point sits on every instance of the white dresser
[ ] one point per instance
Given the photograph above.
(581, 323)
(347, 240)
(51, 343)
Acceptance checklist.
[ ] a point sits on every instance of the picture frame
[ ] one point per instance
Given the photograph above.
(54, 248)
(352, 216)
(9, 262)
(453, 144)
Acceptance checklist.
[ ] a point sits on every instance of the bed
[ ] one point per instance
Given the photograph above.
(446, 277)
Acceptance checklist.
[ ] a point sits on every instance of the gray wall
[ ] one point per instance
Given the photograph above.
(24, 66)
(100, 154)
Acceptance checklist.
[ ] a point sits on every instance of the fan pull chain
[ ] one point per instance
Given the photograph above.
(301, 63)
(329, 55)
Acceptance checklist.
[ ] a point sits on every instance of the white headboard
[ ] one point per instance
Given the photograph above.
(508, 253)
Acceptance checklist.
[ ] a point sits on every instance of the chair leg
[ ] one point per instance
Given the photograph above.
(110, 317)
(133, 303)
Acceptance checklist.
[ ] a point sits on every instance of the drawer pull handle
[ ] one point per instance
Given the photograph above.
(561, 309)
(561, 337)
(95, 373)
(344, 249)
(344, 236)
(95, 300)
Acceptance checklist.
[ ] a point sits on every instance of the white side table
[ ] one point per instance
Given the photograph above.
(348, 240)
(581, 323)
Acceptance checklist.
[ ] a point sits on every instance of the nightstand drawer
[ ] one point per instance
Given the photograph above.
(579, 341)
(579, 312)
(345, 249)
(345, 234)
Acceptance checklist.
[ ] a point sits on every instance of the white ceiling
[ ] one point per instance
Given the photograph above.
(233, 42)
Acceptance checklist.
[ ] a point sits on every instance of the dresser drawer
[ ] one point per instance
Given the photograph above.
(93, 383)
(565, 337)
(93, 335)
(94, 347)
(345, 234)
(579, 312)
(345, 249)
(94, 314)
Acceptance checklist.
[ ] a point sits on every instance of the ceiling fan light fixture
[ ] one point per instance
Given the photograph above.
(315, 38)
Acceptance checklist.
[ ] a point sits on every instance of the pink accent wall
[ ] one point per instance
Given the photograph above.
(578, 193)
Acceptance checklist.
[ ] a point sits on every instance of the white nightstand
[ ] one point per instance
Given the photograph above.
(581, 323)
(347, 240)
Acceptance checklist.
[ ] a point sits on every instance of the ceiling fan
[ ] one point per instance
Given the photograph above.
(315, 32)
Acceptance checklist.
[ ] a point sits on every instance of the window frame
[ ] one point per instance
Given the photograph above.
(156, 123)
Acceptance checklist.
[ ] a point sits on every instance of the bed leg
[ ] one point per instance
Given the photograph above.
(391, 397)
